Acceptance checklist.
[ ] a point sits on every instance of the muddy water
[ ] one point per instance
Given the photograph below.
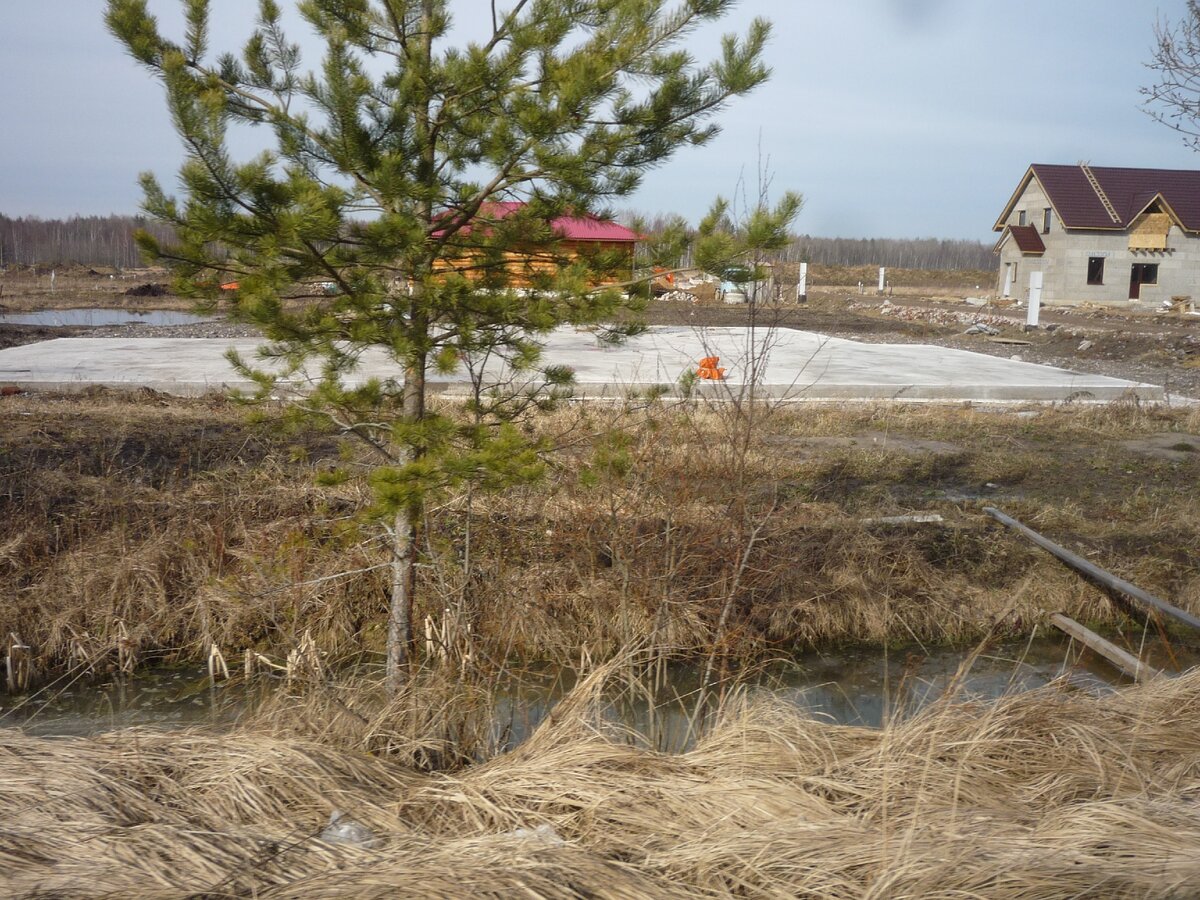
(84, 318)
(854, 687)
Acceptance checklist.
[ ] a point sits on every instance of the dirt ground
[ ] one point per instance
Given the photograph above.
(16, 335)
(73, 287)
(924, 307)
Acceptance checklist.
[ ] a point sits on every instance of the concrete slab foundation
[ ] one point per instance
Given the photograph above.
(796, 365)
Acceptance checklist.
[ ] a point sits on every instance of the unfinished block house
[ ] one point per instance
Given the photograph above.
(1094, 234)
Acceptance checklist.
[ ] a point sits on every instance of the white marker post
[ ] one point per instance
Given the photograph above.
(1035, 299)
(802, 284)
(882, 278)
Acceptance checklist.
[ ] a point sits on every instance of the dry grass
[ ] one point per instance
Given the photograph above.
(1047, 794)
(173, 526)
(130, 525)
(963, 282)
(75, 287)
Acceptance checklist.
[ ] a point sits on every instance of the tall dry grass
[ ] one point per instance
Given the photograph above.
(135, 528)
(1041, 795)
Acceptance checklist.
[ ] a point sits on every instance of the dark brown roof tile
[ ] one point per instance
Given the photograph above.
(1128, 190)
(1027, 238)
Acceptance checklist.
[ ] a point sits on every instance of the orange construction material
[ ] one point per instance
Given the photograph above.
(708, 369)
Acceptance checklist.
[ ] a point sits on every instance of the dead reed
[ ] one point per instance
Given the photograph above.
(1046, 794)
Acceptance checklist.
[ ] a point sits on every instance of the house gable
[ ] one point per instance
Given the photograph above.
(1029, 178)
(1002, 221)
(1150, 231)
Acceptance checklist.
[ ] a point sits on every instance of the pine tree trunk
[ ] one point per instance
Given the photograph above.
(400, 627)
(400, 644)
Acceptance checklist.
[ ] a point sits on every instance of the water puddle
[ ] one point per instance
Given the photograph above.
(92, 318)
(164, 698)
(853, 688)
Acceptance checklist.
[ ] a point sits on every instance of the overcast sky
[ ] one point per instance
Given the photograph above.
(894, 118)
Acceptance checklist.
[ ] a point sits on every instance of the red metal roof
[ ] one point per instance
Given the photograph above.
(1027, 238)
(1128, 191)
(571, 228)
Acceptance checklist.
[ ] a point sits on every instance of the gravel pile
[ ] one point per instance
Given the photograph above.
(216, 329)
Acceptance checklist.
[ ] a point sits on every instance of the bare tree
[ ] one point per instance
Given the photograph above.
(1174, 99)
(86, 240)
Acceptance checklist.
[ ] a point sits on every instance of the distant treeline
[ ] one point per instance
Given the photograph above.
(85, 240)
(108, 241)
(895, 253)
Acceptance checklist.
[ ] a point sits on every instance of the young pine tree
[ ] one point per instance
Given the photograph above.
(389, 164)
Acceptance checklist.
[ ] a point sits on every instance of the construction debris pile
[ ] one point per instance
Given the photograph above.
(680, 297)
(937, 316)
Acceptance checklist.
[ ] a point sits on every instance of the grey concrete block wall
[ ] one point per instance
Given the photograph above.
(1064, 265)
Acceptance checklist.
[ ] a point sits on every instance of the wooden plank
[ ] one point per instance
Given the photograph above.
(1094, 572)
(914, 519)
(1126, 662)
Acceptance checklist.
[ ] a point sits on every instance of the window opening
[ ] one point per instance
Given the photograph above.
(1095, 273)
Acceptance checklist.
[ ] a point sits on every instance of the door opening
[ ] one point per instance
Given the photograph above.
(1139, 274)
